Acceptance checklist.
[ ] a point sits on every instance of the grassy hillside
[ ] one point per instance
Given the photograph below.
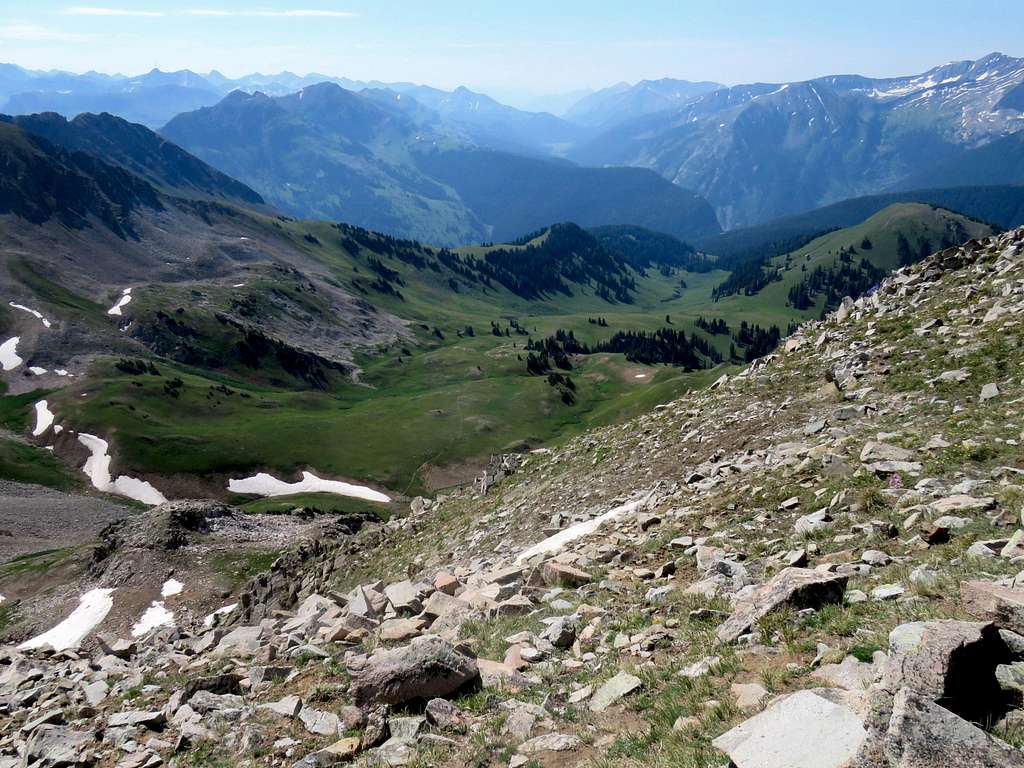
(425, 410)
(1002, 205)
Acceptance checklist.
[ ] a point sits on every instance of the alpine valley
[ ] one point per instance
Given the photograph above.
(361, 421)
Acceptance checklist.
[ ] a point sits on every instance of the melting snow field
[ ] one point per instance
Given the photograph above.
(38, 315)
(171, 587)
(9, 359)
(126, 296)
(97, 467)
(36, 370)
(557, 542)
(263, 484)
(92, 608)
(155, 616)
(208, 621)
(44, 418)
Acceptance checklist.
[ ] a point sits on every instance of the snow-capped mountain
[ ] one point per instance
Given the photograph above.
(763, 150)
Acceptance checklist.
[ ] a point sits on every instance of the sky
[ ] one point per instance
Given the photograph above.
(510, 47)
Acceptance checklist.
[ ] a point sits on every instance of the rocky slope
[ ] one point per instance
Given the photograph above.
(814, 563)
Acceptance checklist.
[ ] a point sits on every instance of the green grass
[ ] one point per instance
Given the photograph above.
(325, 502)
(33, 563)
(28, 464)
(16, 410)
(54, 294)
(420, 404)
(237, 567)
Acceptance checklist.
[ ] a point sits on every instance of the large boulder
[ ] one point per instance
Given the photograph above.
(795, 587)
(428, 667)
(940, 681)
(808, 729)
(921, 734)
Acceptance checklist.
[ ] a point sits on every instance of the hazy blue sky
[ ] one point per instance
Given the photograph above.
(511, 45)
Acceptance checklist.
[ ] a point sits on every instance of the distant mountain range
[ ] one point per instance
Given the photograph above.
(385, 161)
(623, 102)
(369, 152)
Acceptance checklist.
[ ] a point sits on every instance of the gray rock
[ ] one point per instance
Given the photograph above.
(288, 706)
(804, 729)
(549, 742)
(55, 745)
(153, 719)
(426, 668)
(614, 689)
(320, 722)
(561, 630)
(797, 587)
(921, 734)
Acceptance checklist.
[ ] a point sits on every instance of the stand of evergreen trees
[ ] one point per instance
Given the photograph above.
(716, 326)
(755, 341)
(835, 282)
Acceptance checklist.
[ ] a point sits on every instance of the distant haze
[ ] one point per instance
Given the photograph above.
(518, 50)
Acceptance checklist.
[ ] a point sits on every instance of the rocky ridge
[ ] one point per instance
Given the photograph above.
(816, 562)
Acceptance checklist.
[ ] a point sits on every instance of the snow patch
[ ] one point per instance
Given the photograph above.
(92, 608)
(171, 587)
(556, 543)
(126, 296)
(9, 359)
(640, 376)
(208, 621)
(263, 484)
(155, 616)
(38, 315)
(97, 467)
(44, 418)
(36, 370)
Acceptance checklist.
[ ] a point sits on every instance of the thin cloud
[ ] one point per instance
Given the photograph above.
(90, 10)
(37, 34)
(295, 13)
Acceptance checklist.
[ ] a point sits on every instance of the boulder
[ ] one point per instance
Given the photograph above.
(320, 722)
(805, 729)
(921, 734)
(562, 575)
(57, 745)
(874, 452)
(154, 719)
(796, 587)
(426, 668)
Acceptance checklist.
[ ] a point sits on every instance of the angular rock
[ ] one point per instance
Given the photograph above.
(995, 602)
(921, 734)
(549, 742)
(803, 729)
(428, 667)
(796, 587)
(614, 689)
(561, 575)
(320, 722)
